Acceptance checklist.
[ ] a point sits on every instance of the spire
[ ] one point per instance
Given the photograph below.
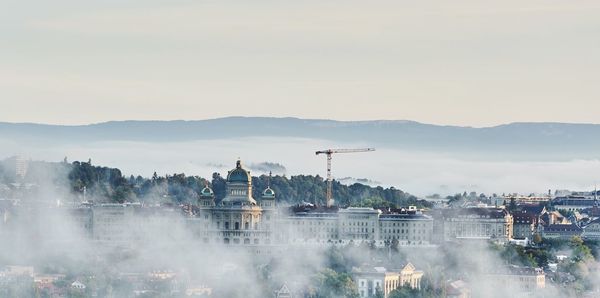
(238, 164)
(269, 180)
(268, 193)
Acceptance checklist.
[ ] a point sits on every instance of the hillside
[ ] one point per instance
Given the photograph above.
(105, 184)
(518, 140)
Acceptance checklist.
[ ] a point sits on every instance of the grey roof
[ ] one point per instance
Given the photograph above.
(477, 211)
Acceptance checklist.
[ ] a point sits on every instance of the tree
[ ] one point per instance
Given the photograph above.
(395, 244)
(329, 283)
(513, 205)
(405, 292)
(581, 252)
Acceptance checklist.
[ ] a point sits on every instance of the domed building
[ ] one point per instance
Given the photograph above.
(237, 219)
(239, 187)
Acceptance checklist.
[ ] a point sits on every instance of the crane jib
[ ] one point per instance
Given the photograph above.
(329, 153)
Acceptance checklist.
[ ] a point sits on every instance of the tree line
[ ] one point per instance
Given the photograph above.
(107, 184)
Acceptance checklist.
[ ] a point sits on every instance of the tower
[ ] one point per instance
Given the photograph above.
(207, 197)
(268, 196)
(238, 190)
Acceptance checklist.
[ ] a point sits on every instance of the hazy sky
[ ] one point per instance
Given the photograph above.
(450, 62)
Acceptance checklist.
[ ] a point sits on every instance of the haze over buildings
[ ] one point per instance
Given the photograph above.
(121, 122)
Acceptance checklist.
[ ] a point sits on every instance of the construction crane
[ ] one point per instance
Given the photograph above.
(329, 153)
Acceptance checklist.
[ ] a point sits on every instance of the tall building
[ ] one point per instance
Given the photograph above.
(238, 218)
(524, 224)
(21, 166)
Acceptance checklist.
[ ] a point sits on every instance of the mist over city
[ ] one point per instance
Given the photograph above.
(308, 149)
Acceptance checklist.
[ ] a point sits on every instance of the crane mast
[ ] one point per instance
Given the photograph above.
(329, 153)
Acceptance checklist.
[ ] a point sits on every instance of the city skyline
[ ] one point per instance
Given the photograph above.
(193, 148)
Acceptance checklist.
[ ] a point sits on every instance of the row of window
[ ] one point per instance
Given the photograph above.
(236, 226)
(401, 224)
(237, 241)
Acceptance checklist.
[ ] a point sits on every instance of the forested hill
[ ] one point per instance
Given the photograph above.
(523, 140)
(104, 184)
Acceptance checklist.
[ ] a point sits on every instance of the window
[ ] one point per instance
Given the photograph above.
(237, 225)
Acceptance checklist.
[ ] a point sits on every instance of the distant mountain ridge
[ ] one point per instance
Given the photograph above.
(544, 140)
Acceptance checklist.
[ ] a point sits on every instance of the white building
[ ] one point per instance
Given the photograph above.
(476, 224)
(374, 280)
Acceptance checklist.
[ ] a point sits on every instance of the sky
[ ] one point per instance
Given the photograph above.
(475, 63)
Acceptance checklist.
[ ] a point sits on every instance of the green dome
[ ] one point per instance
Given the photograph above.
(206, 192)
(239, 174)
(268, 192)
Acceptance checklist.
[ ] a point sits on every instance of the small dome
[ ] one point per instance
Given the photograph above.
(238, 174)
(268, 192)
(207, 192)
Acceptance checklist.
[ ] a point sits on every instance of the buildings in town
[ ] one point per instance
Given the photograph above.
(524, 224)
(457, 289)
(477, 223)
(409, 226)
(592, 230)
(516, 279)
(21, 166)
(505, 200)
(374, 280)
(241, 220)
(313, 225)
(561, 231)
(574, 203)
(122, 224)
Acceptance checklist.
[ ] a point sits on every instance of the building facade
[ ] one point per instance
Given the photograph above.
(592, 230)
(574, 203)
(561, 231)
(237, 219)
(524, 225)
(517, 279)
(314, 225)
(478, 223)
(374, 280)
(408, 226)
